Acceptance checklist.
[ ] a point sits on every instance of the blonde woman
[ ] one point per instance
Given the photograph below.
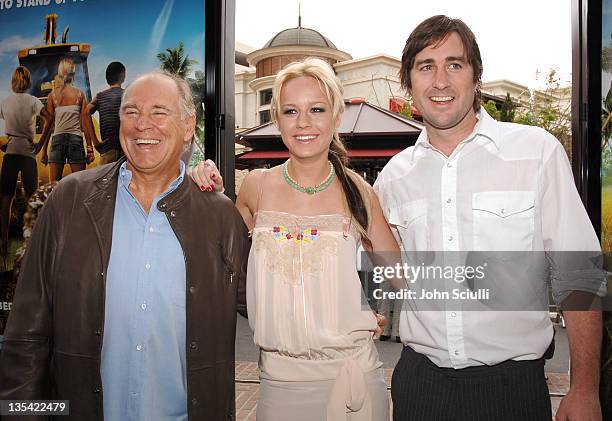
(68, 107)
(317, 360)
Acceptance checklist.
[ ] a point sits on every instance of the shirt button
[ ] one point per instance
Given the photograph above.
(450, 238)
(172, 214)
(194, 401)
(138, 347)
(148, 266)
(453, 314)
(98, 332)
(448, 200)
(449, 164)
(456, 352)
(502, 210)
(192, 289)
(193, 345)
(96, 390)
(143, 306)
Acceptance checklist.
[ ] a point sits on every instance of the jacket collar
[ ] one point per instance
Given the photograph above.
(106, 183)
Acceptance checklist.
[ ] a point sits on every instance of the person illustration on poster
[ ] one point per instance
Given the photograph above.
(18, 112)
(107, 103)
(68, 108)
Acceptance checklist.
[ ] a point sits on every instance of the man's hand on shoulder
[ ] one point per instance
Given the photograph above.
(579, 405)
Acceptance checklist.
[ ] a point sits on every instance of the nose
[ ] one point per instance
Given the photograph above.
(143, 122)
(441, 79)
(303, 120)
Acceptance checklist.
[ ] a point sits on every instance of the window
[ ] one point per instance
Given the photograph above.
(265, 96)
(264, 116)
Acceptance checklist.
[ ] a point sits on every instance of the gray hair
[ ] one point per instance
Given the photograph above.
(185, 98)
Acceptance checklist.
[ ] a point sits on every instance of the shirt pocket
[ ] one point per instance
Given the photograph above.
(410, 220)
(503, 220)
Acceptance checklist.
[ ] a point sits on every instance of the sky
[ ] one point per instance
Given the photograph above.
(516, 38)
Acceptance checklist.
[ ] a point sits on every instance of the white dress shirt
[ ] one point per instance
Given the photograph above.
(506, 187)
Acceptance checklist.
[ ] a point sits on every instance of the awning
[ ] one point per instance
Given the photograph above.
(352, 153)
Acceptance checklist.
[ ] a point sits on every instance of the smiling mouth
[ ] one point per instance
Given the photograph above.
(305, 138)
(147, 141)
(441, 99)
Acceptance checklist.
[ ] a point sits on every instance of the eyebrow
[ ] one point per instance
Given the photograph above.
(447, 59)
(155, 107)
(310, 104)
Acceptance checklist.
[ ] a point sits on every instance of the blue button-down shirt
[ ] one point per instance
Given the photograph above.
(143, 354)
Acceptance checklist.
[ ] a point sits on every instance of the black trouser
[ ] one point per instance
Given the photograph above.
(512, 390)
(11, 166)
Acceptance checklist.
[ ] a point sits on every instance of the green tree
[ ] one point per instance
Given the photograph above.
(491, 109)
(548, 109)
(175, 61)
(197, 89)
(507, 111)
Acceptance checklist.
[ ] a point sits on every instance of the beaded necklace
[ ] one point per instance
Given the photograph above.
(309, 190)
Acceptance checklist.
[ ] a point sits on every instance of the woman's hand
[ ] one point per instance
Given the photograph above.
(381, 321)
(207, 176)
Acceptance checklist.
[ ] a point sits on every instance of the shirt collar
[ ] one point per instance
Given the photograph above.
(485, 127)
(125, 177)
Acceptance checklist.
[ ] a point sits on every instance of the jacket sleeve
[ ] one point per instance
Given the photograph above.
(237, 249)
(26, 352)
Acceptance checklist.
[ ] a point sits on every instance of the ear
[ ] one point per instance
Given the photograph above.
(190, 123)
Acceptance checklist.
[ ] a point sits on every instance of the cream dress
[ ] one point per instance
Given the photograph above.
(318, 361)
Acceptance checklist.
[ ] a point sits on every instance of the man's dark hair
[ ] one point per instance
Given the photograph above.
(433, 31)
(115, 73)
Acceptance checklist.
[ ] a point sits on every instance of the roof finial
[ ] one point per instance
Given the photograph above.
(299, 15)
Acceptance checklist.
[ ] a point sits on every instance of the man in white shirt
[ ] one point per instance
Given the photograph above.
(471, 183)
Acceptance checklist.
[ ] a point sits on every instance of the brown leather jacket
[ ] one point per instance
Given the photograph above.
(53, 337)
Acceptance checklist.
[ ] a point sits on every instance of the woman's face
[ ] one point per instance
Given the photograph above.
(305, 118)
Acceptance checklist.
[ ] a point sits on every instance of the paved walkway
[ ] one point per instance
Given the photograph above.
(247, 389)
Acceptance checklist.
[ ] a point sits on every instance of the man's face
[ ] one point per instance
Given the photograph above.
(152, 132)
(443, 88)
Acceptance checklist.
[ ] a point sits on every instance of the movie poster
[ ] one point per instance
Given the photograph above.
(606, 188)
(47, 37)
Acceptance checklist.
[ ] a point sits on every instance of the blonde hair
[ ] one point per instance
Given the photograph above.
(319, 70)
(354, 187)
(66, 70)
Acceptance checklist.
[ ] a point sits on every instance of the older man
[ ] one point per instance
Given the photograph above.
(126, 305)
